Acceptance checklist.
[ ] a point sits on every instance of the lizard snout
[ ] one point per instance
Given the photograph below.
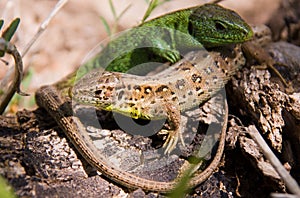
(99, 90)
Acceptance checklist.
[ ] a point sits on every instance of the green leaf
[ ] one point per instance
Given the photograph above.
(11, 29)
(152, 5)
(112, 8)
(5, 189)
(106, 26)
(112, 30)
(123, 12)
(150, 8)
(1, 23)
(2, 52)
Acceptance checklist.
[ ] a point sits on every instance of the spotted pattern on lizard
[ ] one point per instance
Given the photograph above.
(188, 83)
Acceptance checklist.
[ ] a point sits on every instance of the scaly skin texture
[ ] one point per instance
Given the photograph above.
(167, 38)
(164, 95)
(210, 25)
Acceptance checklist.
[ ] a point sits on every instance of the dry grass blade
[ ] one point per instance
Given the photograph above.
(216, 1)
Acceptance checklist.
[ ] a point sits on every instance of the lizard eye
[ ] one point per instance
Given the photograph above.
(220, 26)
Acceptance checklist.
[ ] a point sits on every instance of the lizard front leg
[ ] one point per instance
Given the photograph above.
(173, 112)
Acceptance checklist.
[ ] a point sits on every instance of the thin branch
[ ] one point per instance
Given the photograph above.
(283, 195)
(15, 85)
(41, 29)
(43, 26)
(289, 181)
(18, 69)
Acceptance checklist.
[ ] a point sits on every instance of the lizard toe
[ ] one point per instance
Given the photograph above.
(171, 141)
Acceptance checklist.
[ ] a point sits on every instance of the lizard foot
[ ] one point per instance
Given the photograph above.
(172, 139)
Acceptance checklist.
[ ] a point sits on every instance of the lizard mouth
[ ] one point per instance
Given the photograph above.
(221, 41)
(92, 101)
(221, 38)
(83, 98)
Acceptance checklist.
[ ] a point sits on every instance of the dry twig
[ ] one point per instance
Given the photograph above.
(284, 174)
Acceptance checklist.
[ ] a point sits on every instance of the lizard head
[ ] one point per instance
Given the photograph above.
(212, 24)
(110, 91)
(96, 89)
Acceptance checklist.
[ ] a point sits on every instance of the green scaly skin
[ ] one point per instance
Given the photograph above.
(166, 38)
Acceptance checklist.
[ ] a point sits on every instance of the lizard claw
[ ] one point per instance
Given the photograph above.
(172, 56)
(172, 139)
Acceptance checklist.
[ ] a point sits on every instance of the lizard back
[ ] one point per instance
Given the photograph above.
(188, 83)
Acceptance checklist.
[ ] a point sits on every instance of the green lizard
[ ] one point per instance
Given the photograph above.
(206, 26)
(166, 38)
